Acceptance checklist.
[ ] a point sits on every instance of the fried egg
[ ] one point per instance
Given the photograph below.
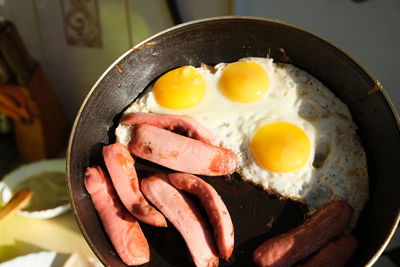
(292, 136)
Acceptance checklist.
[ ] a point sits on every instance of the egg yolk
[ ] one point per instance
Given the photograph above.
(244, 81)
(180, 88)
(280, 147)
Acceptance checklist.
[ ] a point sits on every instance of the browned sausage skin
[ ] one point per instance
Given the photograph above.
(182, 213)
(176, 123)
(121, 227)
(214, 206)
(180, 153)
(121, 168)
(291, 247)
(334, 254)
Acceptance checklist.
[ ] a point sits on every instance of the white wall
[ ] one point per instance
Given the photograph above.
(369, 31)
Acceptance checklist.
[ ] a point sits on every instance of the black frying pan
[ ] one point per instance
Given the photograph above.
(255, 214)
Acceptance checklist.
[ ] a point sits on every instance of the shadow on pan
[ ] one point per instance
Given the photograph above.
(227, 39)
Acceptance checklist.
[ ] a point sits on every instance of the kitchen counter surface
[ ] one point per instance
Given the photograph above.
(21, 235)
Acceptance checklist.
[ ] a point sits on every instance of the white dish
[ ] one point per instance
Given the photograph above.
(22, 173)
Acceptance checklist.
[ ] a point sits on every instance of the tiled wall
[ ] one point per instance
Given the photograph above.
(74, 69)
(123, 23)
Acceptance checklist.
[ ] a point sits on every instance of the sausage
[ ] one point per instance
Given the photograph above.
(291, 247)
(214, 206)
(121, 227)
(180, 153)
(335, 254)
(182, 213)
(176, 123)
(121, 168)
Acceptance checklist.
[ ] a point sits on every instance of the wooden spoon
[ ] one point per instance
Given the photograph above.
(16, 203)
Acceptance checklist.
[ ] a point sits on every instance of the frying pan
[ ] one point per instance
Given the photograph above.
(255, 214)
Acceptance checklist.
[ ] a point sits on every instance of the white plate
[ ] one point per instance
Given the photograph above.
(26, 171)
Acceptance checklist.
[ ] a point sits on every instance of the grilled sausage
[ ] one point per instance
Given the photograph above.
(121, 227)
(180, 153)
(182, 213)
(291, 247)
(176, 123)
(334, 254)
(121, 168)
(214, 206)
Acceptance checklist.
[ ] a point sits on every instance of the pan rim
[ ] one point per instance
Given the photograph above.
(199, 21)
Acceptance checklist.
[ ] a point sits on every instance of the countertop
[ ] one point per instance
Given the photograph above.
(21, 235)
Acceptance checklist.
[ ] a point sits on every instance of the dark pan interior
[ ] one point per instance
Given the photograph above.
(256, 215)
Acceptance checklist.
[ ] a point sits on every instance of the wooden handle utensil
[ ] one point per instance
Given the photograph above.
(16, 203)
